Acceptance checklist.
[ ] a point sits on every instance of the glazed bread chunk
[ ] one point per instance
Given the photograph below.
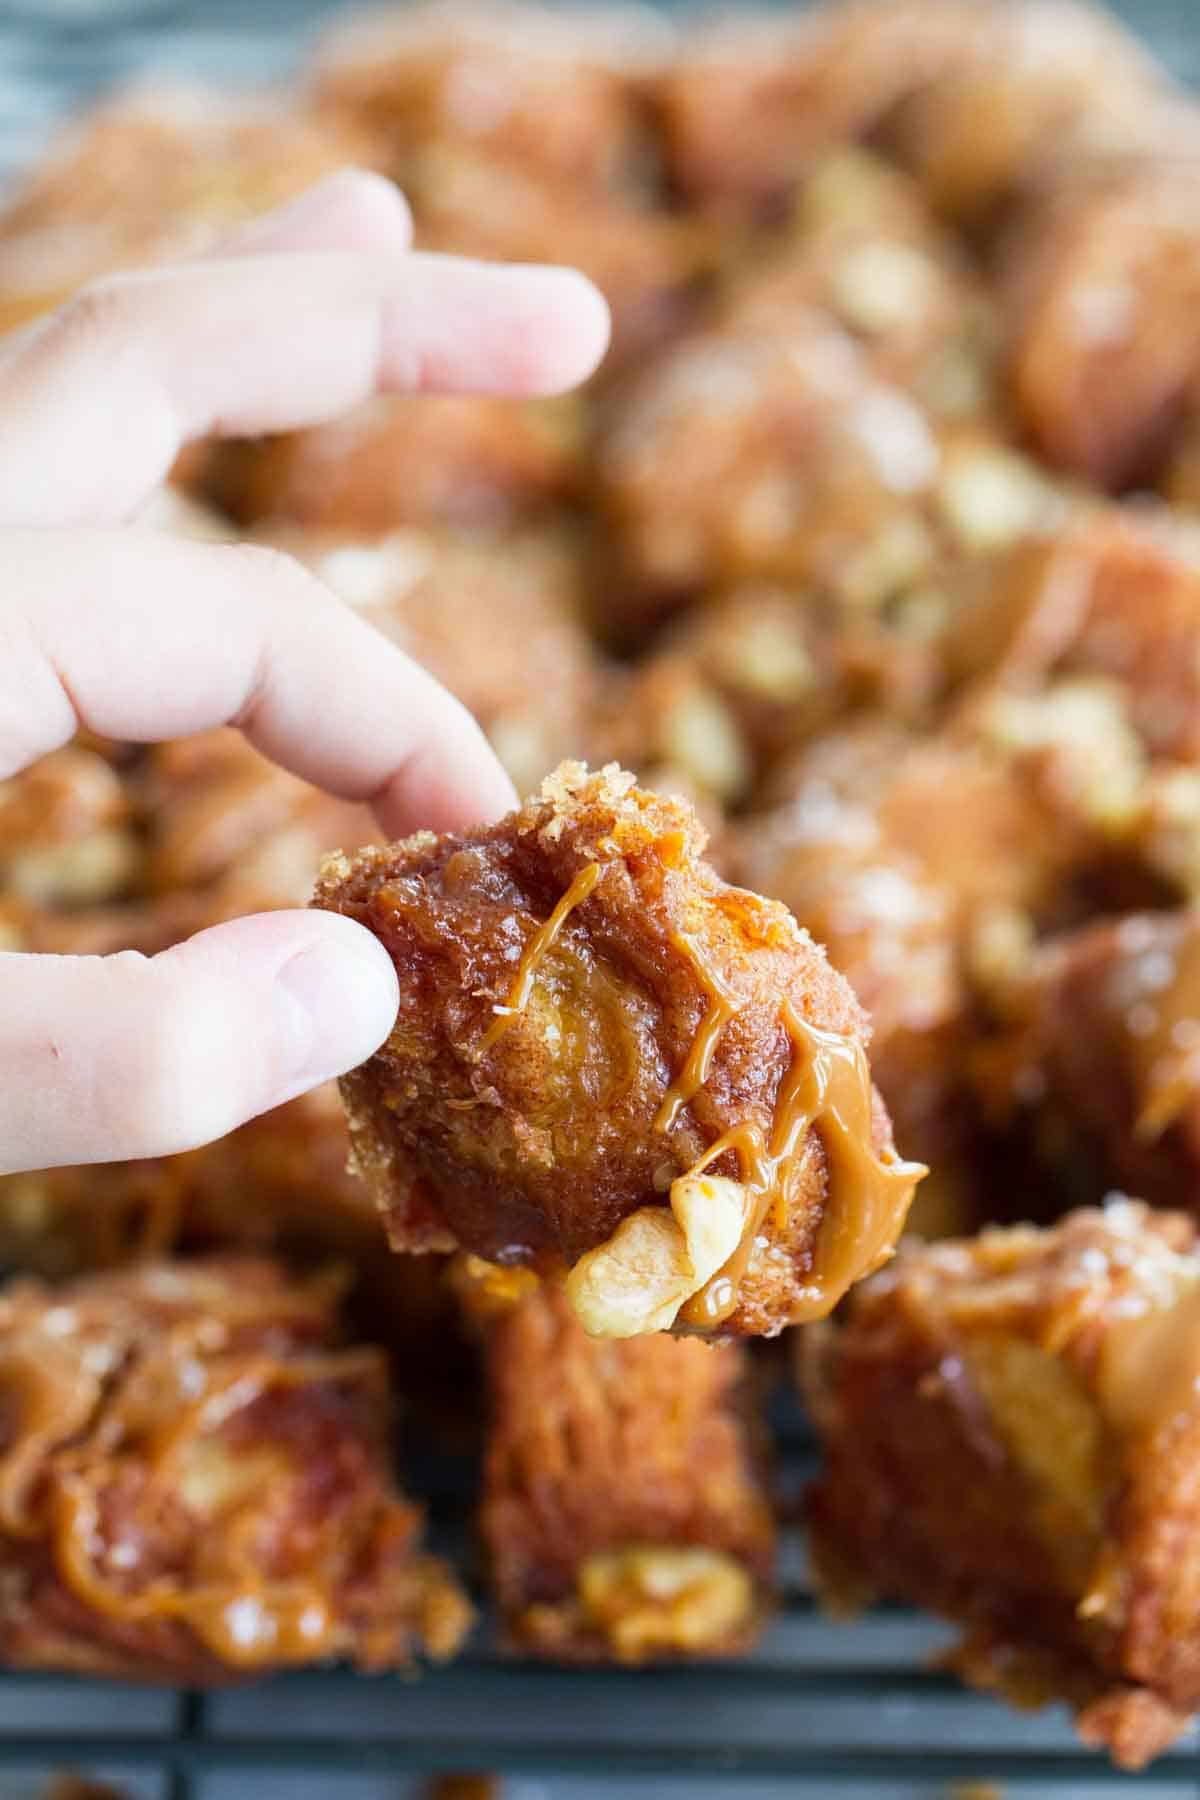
(609, 1062)
(194, 1482)
(1100, 1068)
(1011, 1429)
(624, 1510)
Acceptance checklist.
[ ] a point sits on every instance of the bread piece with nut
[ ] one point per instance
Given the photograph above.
(610, 1065)
(1011, 1432)
(194, 1482)
(625, 1510)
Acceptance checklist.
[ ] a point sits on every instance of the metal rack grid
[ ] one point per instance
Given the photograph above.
(818, 1707)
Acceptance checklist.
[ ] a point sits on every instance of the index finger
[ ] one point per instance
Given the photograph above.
(96, 403)
(137, 635)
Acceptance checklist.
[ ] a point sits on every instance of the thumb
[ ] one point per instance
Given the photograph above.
(115, 1057)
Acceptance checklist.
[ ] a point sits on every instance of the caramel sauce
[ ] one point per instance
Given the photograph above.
(827, 1089)
(56, 1397)
(531, 957)
(244, 1618)
(723, 1003)
(1149, 1370)
(245, 1621)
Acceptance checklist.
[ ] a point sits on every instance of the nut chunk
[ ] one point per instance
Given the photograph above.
(1012, 1436)
(624, 1515)
(607, 1060)
(194, 1482)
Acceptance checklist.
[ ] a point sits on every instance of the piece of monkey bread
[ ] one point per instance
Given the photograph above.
(195, 1483)
(1011, 1427)
(625, 1507)
(608, 1063)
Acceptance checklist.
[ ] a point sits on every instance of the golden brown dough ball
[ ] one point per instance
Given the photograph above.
(860, 242)
(779, 456)
(67, 836)
(1103, 277)
(752, 100)
(415, 460)
(1010, 1434)
(1099, 1070)
(196, 1482)
(625, 1511)
(607, 1060)
(1037, 82)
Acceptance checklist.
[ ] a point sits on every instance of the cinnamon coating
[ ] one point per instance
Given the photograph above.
(588, 1015)
(1011, 1436)
(194, 1482)
(624, 1509)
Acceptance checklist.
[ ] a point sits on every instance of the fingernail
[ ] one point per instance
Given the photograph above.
(336, 1002)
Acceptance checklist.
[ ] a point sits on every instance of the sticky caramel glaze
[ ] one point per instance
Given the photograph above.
(651, 1028)
(723, 1003)
(828, 1086)
(243, 1618)
(57, 1396)
(1149, 1370)
(1002, 1443)
(190, 1456)
(543, 939)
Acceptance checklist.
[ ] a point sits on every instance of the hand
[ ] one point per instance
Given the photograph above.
(139, 636)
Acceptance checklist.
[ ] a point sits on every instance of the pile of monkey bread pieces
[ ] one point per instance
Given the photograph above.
(835, 984)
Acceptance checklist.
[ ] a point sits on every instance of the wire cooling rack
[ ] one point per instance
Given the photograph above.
(818, 1708)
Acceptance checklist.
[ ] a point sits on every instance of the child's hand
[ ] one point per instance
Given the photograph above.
(140, 636)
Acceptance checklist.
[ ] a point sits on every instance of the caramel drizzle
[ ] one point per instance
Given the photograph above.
(245, 1620)
(723, 1003)
(57, 1397)
(542, 940)
(827, 1088)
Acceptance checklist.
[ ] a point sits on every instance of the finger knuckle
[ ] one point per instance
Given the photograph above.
(101, 310)
(279, 578)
